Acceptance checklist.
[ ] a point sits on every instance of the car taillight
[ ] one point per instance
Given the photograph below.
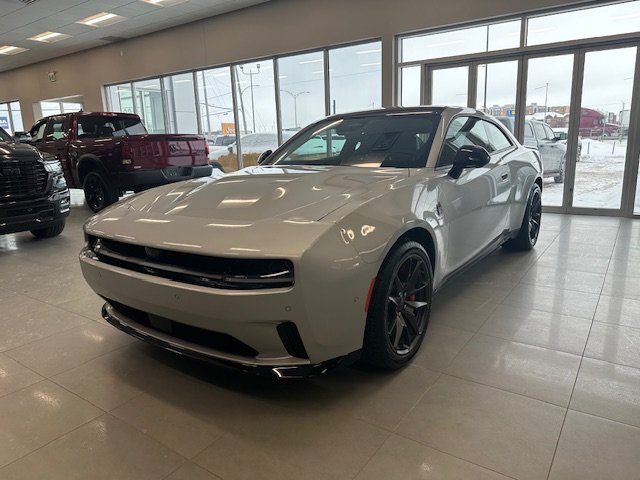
(206, 148)
(126, 154)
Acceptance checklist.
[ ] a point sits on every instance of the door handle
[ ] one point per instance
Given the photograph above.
(505, 176)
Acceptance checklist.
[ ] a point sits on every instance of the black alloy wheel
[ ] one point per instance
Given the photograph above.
(400, 307)
(97, 192)
(535, 215)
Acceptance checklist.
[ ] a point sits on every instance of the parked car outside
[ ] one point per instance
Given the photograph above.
(107, 154)
(33, 193)
(538, 135)
(563, 134)
(307, 262)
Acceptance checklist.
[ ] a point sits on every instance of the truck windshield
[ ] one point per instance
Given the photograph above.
(4, 136)
(94, 126)
(379, 140)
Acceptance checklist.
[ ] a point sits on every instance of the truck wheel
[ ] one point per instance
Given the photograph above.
(98, 191)
(560, 177)
(52, 230)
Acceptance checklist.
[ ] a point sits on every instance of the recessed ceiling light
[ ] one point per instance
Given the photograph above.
(11, 50)
(164, 3)
(101, 19)
(49, 37)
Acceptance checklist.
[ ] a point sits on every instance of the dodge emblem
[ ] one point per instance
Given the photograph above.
(173, 148)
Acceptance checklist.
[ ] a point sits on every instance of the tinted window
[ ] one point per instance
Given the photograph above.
(90, 126)
(401, 141)
(55, 130)
(463, 131)
(497, 139)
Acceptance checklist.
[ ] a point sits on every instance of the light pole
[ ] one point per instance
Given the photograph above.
(251, 73)
(295, 103)
(546, 97)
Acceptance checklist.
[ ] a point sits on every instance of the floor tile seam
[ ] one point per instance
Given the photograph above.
(52, 440)
(520, 342)
(450, 454)
(42, 377)
(567, 288)
(519, 394)
(575, 382)
(604, 418)
(125, 420)
(50, 376)
(420, 397)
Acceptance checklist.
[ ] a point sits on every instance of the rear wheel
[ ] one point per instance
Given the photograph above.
(52, 230)
(98, 191)
(530, 228)
(399, 308)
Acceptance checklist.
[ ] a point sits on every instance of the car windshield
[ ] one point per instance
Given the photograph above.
(384, 140)
(94, 126)
(4, 136)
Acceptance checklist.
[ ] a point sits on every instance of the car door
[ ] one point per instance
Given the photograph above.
(559, 148)
(475, 204)
(56, 142)
(547, 148)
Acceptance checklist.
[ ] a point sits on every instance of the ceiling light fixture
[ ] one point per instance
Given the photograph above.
(164, 3)
(11, 50)
(101, 19)
(49, 37)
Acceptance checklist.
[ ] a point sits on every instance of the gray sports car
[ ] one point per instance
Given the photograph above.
(327, 251)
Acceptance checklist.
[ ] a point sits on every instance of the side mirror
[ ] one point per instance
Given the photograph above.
(22, 137)
(263, 156)
(469, 156)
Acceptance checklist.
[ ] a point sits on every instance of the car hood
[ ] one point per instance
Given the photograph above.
(258, 193)
(13, 151)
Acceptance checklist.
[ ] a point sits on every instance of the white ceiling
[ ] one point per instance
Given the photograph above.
(18, 22)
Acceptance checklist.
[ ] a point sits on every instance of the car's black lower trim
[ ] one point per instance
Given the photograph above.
(284, 371)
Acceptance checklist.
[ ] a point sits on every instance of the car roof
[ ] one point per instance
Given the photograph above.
(436, 109)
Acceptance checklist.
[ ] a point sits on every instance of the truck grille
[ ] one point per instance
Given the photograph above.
(22, 179)
(202, 270)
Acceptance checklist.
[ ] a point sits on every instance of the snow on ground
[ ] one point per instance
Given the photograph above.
(598, 176)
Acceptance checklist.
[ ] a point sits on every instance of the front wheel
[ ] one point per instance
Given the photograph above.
(530, 229)
(52, 230)
(399, 308)
(98, 191)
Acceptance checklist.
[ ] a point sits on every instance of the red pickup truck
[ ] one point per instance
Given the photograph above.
(107, 154)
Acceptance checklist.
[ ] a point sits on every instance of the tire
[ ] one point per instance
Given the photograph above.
(391, 337)
(560, 177)
(530, 228)
(53, 230)
(98, 191)
(217, 165)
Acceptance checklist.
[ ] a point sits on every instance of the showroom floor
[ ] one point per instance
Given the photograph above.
(530, 369)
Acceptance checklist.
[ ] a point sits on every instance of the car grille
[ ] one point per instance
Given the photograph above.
(202, 270)
(22, 179)
(199, 336)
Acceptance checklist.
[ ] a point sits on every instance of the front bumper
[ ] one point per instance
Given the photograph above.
(154, 178)
(192, 350)
(24, 215)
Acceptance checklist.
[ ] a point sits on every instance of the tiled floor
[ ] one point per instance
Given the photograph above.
(531, 370)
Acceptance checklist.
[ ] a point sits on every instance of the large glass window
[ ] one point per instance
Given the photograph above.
(301, 90)
(547, 108)
(462, 41)
(181, 103)
(355, 77)
(149, 107)
(410, 86)
(450, 86)
(120, 98)
(496, 88)
(584, 23)
(606, 93)
(217, 115)
(11, 117)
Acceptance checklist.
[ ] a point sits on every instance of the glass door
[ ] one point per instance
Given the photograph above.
(450, 86)
(605, 102)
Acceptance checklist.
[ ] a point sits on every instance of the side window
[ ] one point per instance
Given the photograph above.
(549, 132)
(497, 138)
(540, 133)
(37, 132)
(528, 132)
(55, 130)
(463, 131)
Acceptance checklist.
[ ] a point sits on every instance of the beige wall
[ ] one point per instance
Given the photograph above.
(275, 27)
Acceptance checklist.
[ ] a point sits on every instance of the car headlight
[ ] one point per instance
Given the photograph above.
(59, 183)
(53, 166)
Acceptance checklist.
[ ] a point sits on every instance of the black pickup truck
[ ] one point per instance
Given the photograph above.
(33, 192)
